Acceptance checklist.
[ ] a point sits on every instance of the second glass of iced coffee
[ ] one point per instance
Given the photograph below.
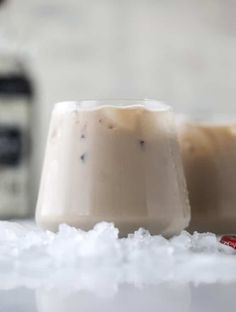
(115, 161)
(208, 147)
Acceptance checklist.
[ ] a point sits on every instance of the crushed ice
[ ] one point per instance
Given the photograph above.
(98, 259)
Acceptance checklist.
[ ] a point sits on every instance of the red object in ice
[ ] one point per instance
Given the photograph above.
(229, 240)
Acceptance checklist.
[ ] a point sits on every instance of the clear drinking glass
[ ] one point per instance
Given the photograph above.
(115, 161)
(208, 147)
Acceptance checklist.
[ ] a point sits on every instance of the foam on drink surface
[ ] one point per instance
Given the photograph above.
(70, 106)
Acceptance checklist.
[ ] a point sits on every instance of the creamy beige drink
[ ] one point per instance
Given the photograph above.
(209, 155)
(116, 161)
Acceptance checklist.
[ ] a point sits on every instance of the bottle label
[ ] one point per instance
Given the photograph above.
(14, 157)
(10, 145)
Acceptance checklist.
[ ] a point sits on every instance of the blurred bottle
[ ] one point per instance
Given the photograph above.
(16, 96)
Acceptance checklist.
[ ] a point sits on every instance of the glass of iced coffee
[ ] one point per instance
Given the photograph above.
(115, 161)
(208, 148)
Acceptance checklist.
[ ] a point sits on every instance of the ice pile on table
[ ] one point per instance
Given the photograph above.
(98, 259)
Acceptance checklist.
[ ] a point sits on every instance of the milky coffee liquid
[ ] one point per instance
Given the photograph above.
(116, 163)
(209, 156)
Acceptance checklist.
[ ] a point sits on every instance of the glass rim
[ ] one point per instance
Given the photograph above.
(87, 104)
(211, 120)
